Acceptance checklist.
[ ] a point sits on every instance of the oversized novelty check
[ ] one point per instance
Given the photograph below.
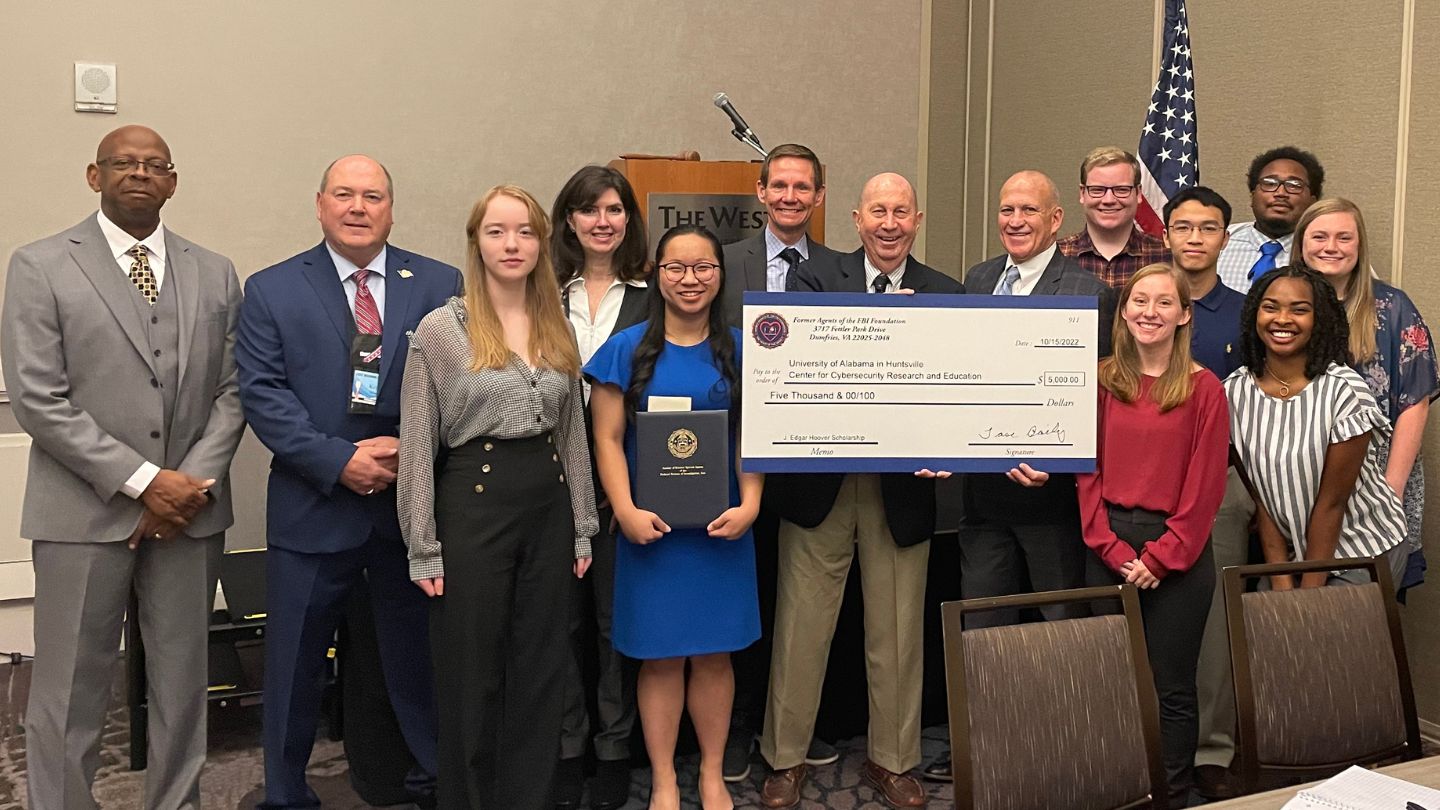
(842, 382)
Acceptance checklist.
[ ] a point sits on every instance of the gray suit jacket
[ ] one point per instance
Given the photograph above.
(81, 383)
(745, 270)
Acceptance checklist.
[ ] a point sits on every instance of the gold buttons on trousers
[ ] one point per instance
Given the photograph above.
(554, 456)
(562, 478)
(489, 446)
(485, 468)
(479, 487)
(549, 439)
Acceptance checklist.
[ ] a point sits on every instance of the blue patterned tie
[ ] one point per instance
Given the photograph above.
(1007, 284)
(1266, 262)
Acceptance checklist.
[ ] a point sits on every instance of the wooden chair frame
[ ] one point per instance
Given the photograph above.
(953, 614)
(1251, 769)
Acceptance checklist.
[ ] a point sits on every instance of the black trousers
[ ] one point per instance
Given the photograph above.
(499, 634)
(1002, 558)
(1174, 615)
(592, 608)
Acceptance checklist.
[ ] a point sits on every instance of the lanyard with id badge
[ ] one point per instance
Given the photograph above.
(364, 372)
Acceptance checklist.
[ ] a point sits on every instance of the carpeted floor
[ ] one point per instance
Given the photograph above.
(234, 772)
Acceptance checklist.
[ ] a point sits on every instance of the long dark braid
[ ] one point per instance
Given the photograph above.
(1329, 342)
(720, 340)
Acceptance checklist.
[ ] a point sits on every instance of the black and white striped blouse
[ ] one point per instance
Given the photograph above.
(1282, 445)
(445, 404)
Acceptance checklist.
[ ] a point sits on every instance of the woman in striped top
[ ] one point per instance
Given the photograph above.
(1146, 516)
(1305, 429)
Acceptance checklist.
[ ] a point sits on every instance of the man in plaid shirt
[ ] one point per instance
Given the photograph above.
(1111, 246)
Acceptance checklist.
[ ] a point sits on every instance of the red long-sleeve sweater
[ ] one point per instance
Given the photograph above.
(1173, 462)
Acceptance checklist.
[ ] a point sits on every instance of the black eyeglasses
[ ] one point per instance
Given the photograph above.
(1273, 184)
(1120, 192)
(675, 271)
(155, 166)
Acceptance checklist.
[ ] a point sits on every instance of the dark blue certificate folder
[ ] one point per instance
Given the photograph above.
(682, 469)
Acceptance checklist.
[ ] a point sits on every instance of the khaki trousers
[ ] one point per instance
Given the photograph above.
(813, 567)
(1230, 542)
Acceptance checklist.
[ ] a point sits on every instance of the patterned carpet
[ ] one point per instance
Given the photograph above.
(234, 772)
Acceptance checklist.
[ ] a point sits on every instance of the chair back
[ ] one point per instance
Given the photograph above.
(1053, 714)
(1321, 677)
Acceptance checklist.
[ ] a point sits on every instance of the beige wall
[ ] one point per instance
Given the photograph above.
(256, 98)
(1068, 76)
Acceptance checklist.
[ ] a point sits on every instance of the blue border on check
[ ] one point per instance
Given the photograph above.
(918, 300)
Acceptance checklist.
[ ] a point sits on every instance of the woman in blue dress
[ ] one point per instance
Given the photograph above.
(1389, 346)
(683, 595)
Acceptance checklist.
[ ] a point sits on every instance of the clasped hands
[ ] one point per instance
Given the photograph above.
(373, 466)
(171, 501)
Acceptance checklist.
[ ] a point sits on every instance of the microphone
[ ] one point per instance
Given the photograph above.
(742, 131)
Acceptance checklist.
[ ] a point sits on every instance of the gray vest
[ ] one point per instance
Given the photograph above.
(162, 329)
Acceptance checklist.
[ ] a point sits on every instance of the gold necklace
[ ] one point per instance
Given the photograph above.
(1284, 386)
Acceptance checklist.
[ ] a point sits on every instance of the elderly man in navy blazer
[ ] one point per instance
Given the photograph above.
(323, 340)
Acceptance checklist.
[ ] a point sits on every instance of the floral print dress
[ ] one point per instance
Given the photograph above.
(1402, 373)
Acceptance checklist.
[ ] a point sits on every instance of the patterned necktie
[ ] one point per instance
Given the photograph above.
(1007, 284)
(881, 283)
(792, 259)
(141, 275)
(367, 315)
(1266, 262)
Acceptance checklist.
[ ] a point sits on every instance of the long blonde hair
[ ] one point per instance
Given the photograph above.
(1356, 291)
(552, 343)
(1120, 372)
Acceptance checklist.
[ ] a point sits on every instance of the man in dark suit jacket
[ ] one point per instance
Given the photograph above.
(331, 521)
(828, 519)
(1016, 539)
(118, 352)
(791, 186)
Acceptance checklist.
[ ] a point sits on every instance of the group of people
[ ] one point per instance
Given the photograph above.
(455, 449)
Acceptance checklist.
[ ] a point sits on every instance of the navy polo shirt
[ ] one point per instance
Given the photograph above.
(1215, 339)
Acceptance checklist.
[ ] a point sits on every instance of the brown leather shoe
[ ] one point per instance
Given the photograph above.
(896, 789)
(1215, 782)
(782, 788)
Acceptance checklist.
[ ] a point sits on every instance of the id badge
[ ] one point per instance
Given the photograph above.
(364, 373)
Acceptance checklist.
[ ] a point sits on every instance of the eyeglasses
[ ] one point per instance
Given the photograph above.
(1273, 184)
(1208, 229)
(675, 271)
(155, 166)
(1120, 192)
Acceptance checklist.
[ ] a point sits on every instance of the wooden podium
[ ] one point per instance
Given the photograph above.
(719, 194)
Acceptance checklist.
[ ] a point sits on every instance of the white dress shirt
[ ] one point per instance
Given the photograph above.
(1030, 271)
(872, 272)
(375, 281)
(590, 335)
(777, 268)
(120, 245)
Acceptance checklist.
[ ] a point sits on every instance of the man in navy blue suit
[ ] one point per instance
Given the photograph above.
(314, 330)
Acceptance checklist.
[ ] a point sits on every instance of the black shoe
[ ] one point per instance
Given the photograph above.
(611, 788)
(939, 768)
(569, 783)
(821, 753)
(736, 765)
(1215, 782)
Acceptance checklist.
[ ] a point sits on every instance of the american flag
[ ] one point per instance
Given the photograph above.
(1169, 151)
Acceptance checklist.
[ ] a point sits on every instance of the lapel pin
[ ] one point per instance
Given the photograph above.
(405, 273)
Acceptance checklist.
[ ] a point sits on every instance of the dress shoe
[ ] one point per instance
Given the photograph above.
(898, 790)
(569, 783)
(782, 788)
(735, 767)
(939, 768)
(1215, 782)
(611, 788)
(821, 753)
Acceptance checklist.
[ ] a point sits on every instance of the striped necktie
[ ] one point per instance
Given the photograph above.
(367, 314)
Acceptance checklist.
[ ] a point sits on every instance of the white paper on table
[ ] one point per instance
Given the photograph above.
(1357, 788)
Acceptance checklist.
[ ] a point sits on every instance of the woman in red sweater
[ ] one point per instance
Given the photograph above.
(1146, 511)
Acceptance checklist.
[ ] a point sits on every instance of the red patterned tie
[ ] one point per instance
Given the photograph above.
(367, 315)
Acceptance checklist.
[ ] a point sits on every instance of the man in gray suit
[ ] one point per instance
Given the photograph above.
(118, 341)
(791, 186)
(1016, 539)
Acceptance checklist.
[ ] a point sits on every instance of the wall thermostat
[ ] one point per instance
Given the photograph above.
(94, 87)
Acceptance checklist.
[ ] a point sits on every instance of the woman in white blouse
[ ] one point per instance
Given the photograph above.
(601, 261)
(1304, 428)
